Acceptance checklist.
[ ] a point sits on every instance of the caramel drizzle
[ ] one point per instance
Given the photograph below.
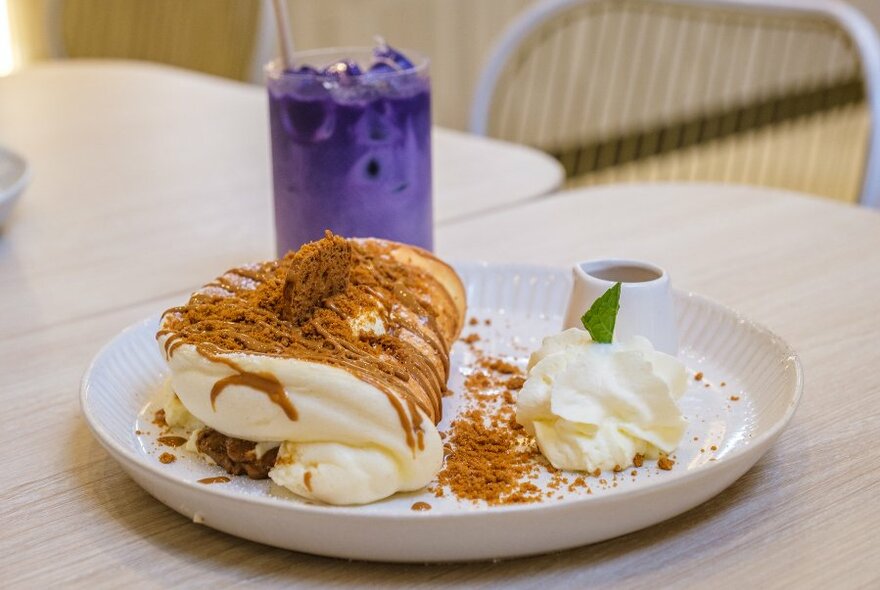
(390, 374)
(171, 441)
(210, 480)
(262, 382)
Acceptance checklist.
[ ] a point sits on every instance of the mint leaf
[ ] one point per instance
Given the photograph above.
(602, 315)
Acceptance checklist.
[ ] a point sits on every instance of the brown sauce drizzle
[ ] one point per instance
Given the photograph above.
(263, 382)
(245, 317)
(171, 441)
(420, 506)
(210, 480)
(307, 480)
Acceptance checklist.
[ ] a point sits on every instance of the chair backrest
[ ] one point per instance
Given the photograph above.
(755, 91)
(228, 38)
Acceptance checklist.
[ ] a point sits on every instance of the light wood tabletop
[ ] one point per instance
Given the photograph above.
(96, 245)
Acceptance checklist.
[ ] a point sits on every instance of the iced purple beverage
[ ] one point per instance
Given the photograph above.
(351, 147)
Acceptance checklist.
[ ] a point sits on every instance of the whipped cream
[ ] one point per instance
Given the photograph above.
(176, 414)
(346, 445)
(369, 322)
(595, 406)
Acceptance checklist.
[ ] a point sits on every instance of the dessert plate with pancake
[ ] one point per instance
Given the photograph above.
(363, 399)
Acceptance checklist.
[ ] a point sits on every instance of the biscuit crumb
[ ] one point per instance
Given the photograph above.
(499, 365)
(665, 463)
(317, 271)
(485, 457)
(159, 419)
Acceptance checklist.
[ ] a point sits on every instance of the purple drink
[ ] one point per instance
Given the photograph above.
(351, 147)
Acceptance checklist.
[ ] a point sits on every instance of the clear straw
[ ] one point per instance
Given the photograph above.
(285, 42)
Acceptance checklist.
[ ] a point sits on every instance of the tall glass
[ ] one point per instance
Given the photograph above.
(350, 153)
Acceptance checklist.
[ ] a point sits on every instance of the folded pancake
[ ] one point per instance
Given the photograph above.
(337, 355)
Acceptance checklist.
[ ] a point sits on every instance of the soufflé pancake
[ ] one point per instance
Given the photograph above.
(324, 370)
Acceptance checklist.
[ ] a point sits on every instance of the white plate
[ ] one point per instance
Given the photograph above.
(14, 176)
(524, 303)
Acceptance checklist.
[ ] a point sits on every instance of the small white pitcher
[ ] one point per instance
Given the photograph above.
(646, 307)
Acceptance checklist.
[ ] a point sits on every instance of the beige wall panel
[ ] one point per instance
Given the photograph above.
(455, 34)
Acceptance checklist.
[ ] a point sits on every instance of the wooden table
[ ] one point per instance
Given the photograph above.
(99, 244)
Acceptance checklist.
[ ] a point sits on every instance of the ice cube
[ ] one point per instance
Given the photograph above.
(345, 71)
(385, 52)
(306, 119)
(382, 67)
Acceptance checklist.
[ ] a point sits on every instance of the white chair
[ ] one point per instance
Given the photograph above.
(754, 91)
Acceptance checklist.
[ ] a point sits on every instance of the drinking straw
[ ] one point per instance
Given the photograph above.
(285, 43)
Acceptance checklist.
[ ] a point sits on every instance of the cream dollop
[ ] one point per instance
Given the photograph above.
(595, 406)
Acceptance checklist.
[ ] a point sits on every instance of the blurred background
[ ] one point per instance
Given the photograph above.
(233, 38)
(221, 37)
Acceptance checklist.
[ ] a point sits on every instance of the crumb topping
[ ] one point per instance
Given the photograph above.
(302, 307)
(488, 457)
